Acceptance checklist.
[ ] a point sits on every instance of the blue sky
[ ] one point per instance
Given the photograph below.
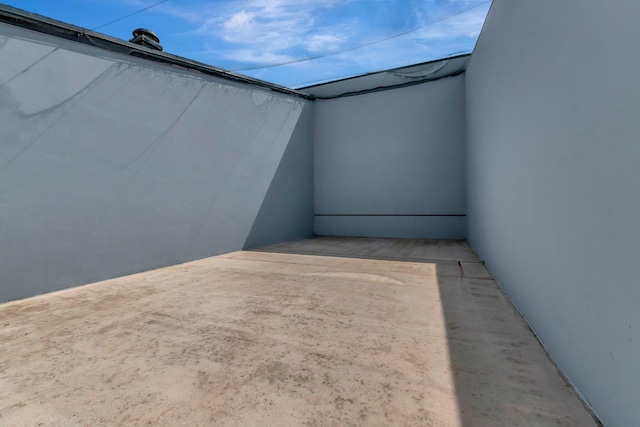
(289, 42)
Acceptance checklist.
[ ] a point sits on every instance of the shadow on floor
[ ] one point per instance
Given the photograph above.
(502, 375)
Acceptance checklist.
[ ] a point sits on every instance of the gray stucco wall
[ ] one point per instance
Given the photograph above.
(287, 210)
(111, 165)
(553, 125)
(391, 163)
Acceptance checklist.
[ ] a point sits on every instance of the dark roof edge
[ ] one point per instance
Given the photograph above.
(383, 88)
(391, 69)
(42, 24)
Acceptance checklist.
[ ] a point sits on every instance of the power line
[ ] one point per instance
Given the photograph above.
(296, 61)
(131, 14)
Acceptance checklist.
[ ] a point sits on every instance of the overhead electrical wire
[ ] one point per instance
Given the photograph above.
(312, 58)
(395, 36)
(131, 14)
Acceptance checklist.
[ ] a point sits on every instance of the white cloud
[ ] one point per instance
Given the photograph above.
(273, 30)
(324, 42)
(244, 34)
(263, 32)
(240, 22)
(466, 25)
(258, 57)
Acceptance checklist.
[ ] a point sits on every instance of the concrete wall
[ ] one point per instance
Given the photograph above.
(391, 163)
(287, 210)
(553, 124)
(111, 165)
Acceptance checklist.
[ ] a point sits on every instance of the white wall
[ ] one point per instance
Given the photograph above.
(111, 165)
(393, 161)
(553, 124)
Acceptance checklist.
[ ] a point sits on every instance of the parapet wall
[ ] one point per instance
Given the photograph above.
(111, 164)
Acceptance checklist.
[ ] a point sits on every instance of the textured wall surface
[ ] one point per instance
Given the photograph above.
(111, 165)
(391, 163)
(554, 183)
(287, 210)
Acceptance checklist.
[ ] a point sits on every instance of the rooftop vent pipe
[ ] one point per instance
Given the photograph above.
(146, 38)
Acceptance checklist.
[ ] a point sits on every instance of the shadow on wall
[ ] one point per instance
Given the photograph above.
(286, 212)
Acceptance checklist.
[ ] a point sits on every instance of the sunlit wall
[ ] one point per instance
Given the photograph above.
(111, 165)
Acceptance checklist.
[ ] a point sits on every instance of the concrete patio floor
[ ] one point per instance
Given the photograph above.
(326, 331)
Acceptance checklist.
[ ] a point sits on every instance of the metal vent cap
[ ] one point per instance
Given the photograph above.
(147, 38)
